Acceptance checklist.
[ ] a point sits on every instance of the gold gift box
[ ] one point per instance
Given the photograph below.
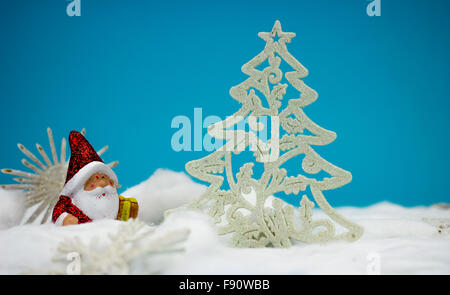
(128, 208)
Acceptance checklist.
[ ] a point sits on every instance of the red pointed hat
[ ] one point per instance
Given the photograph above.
(84, 161)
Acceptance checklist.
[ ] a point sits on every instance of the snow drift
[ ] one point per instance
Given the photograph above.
(397, 240)
(164, 190)
(12, 208)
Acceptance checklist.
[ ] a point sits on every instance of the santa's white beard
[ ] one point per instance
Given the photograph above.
(99, 203)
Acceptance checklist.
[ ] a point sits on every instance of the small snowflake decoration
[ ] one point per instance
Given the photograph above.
(42, 188)
(131, 243)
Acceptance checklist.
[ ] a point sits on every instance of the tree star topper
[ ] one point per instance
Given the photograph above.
(245, 208)
(284, 37)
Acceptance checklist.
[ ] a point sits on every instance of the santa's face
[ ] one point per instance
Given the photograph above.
(98, 180)
(98, 199)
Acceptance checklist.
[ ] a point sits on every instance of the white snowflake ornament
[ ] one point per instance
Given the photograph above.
(42, 188)
(131, 243)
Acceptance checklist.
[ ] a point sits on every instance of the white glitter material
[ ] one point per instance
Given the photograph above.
(268, 221)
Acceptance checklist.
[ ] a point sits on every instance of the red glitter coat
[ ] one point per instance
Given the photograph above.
(64, 204)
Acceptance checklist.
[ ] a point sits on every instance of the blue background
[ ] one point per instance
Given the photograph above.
(124, 69)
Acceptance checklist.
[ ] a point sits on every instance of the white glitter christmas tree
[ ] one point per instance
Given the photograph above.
(263, 220)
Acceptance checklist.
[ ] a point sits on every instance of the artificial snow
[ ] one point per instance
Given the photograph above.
(164, 190)
(12, 208)
(396, 240)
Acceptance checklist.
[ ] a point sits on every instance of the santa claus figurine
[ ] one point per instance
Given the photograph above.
(90, 191)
